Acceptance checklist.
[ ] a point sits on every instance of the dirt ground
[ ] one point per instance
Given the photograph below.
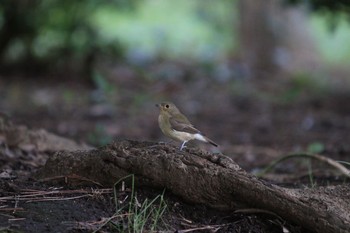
(253, 126)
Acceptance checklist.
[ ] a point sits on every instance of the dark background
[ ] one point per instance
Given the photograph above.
(263, 79)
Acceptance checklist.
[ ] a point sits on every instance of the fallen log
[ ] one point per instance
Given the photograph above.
(211, 179)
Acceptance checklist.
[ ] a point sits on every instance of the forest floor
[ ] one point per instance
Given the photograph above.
(253, 126)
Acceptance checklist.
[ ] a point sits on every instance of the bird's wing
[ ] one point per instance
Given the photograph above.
(182, 124)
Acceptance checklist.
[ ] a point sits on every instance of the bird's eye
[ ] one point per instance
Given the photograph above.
(167, 106)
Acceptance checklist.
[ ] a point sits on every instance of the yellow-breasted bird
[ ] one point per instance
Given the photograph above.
(176, 126)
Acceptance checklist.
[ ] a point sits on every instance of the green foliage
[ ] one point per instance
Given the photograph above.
(298, 84)
(68, 96)
(301, 84)
(330, 6)
(50, 29)
(140, 217)
(313, 183)
(60, 32)
(315, 148)
(329, 28)
(103, 85)
(198, 29)
(332, 44)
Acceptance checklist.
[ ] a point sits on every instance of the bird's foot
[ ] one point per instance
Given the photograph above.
(183, 145)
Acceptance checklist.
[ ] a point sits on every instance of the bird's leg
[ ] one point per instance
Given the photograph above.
(183, 145)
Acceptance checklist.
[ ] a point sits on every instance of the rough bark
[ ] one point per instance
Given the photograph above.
(211, 179)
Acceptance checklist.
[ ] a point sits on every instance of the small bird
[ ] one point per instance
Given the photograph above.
(176, 126)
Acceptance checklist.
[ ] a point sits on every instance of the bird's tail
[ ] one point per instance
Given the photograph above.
(211, 142)
(203, 138)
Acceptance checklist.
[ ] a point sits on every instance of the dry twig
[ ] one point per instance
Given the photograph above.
(318, 157)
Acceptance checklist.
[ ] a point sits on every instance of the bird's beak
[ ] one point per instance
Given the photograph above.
(157, 105)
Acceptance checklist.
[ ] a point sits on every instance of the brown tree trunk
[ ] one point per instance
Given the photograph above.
(211, 179)
(258, 35)
(274, 38)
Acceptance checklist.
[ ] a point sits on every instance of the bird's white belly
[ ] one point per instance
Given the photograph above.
(184, 136)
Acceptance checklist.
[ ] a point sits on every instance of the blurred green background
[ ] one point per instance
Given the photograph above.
(55, 33)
